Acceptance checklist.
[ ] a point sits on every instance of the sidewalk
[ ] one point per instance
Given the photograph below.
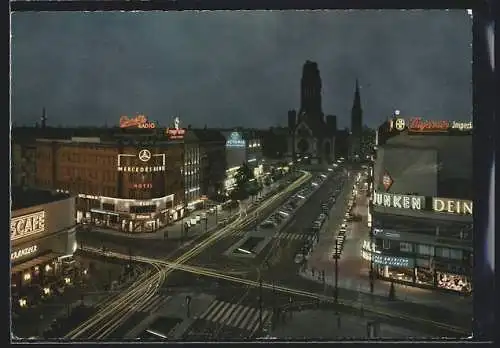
(303, 325)
(354, 271)
(175, 231)
(34, 321)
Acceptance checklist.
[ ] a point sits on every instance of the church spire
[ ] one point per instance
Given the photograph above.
(356, 112)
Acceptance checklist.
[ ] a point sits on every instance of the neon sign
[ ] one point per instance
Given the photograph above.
(175, 133)
(143, 186)
(388, 200)
(27, 225)
(140, 121)
(23, 252)
(452, 206)
(418, 124)
(235, 140)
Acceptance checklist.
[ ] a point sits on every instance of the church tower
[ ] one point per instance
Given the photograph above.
(356, 113)
(310, 91)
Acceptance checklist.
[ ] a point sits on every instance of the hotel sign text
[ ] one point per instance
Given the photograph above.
(389, 200)
(452, 206)
(26, 225)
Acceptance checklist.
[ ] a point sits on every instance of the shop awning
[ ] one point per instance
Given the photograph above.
(34, 262)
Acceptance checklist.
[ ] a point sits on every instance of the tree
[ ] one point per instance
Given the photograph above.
(243, 175)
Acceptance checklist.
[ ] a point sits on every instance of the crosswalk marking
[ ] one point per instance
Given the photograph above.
(211, 314)
(153, 305)
(242, 314)
(235, 315)
(247, 318)
(226, 305)
(265, 316)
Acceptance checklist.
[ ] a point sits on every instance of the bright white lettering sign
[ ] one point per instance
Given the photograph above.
(23, 252)
(26, 225)
(452, 206)
(389, 200)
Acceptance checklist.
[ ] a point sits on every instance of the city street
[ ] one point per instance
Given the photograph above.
(90, 292)
(159, 244)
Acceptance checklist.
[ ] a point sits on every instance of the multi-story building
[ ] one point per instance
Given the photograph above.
(212, 147)
(42, 231)
(127, 179)
(421, 211)
(242, 146)
(191, 170)
(275, 142)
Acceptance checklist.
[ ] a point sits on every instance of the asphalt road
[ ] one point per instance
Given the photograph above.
(156, 248)
(214, 255)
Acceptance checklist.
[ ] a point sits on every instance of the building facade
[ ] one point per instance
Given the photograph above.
(42, 230)
(131, 180)
(191, 170)
(311, 136)
(212, 146)
(242, 146)
(421, 212)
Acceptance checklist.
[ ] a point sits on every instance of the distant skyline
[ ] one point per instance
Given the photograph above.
(238, 68)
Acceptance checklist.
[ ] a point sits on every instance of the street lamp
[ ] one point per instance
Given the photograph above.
(259, 277)
(336, 270)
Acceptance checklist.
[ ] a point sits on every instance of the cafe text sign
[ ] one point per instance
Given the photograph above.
(139, 121)
(23, 252)
(26, 225)
(452, 206)
(389, 200)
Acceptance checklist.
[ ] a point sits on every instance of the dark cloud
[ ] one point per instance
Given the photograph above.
(238, 68)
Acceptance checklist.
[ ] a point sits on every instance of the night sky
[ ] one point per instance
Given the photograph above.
(238, 68)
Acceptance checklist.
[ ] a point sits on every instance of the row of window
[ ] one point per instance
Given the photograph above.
(423, 249)
(85, 158)
(104, 175)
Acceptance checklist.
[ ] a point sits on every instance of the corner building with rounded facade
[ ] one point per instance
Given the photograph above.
(128, 180)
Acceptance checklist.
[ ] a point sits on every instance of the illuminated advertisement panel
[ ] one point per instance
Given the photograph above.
(148, 162)
(421, 125)
(27, 225)
(411, 202)
(175, 132)
(235, 140)
(139, 121)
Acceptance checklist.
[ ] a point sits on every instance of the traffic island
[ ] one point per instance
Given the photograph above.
(248, 247)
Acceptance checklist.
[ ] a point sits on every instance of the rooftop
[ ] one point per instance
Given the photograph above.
(28, 197)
